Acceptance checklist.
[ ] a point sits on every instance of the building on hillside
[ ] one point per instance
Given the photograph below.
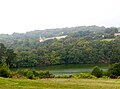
(117, 34)
(103, 36)
(42, 39)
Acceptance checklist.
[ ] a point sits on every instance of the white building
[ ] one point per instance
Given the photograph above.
(41, 39)
(117, 34)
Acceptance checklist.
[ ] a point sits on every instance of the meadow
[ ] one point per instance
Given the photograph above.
(6, 83)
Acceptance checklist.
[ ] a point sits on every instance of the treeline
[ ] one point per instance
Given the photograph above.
(82, 45)
(7, 56)
(32, 38)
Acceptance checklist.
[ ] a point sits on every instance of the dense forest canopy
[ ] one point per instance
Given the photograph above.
(83, 44)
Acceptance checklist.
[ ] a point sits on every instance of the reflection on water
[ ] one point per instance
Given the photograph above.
(72, 71)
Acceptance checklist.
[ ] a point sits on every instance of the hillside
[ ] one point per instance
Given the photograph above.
(59, 84)
(53, 32)
(13, 39)
(82, 45)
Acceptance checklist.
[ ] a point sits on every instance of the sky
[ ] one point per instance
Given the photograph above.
(28, 15)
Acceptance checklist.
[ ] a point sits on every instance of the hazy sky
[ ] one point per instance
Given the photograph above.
(27, 15)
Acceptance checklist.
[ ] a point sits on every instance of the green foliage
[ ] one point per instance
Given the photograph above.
(97, 72)
(63, 76)
(82, 45)
(6, 55)
(45, 74)
(10, 56)
(105, 77)
(31, 74)
(84, 76)
(27, 73)
(114, 69)
(17, 75)
(5, 71)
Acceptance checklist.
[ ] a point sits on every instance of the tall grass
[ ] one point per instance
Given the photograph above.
(59, 84)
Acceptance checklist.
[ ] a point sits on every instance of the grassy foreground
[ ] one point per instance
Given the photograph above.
(59, 84)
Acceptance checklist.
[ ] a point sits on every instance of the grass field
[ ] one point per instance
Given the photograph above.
(108, 39)
(59, 84)
(58, 37)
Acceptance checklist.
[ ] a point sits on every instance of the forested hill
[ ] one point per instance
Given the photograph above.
(84, 44)
(10, 40)
(33, 36)
(53, 32)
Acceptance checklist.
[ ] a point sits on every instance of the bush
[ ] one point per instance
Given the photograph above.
(34, 74)
(63, 76)
(5, 71)
(84, 76)
(97, 72)
(27, 73)
(105, 73)
(45, 74)
(17, 75)
(114, 70)
(105, 77)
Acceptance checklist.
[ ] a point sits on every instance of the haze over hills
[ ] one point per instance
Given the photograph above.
(48, 33)
(61, 31)
(58, 31)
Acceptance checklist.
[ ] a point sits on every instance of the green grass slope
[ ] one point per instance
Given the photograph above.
(59, 84)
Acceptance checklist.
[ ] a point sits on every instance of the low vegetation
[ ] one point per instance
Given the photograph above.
(97, 72)
(5, 71)
(114, 70)
(6, 83)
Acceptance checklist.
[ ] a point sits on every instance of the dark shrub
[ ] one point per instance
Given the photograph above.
(31, 74)
(45, 74)
(114, 70)
(97, 72)
(5, 71)
(27, 73)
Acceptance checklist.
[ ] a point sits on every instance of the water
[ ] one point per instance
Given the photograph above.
(72, 71)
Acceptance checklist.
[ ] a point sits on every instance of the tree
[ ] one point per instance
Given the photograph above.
(6, 55)
(54, 58)
(114, 69)
(10, 55)
(2, 52)
(4, 71)
(97, 72)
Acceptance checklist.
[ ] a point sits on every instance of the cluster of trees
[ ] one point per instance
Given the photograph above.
(112, 72)
(16, 39)
(7, 56)
(73, 50)
(82, 45)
